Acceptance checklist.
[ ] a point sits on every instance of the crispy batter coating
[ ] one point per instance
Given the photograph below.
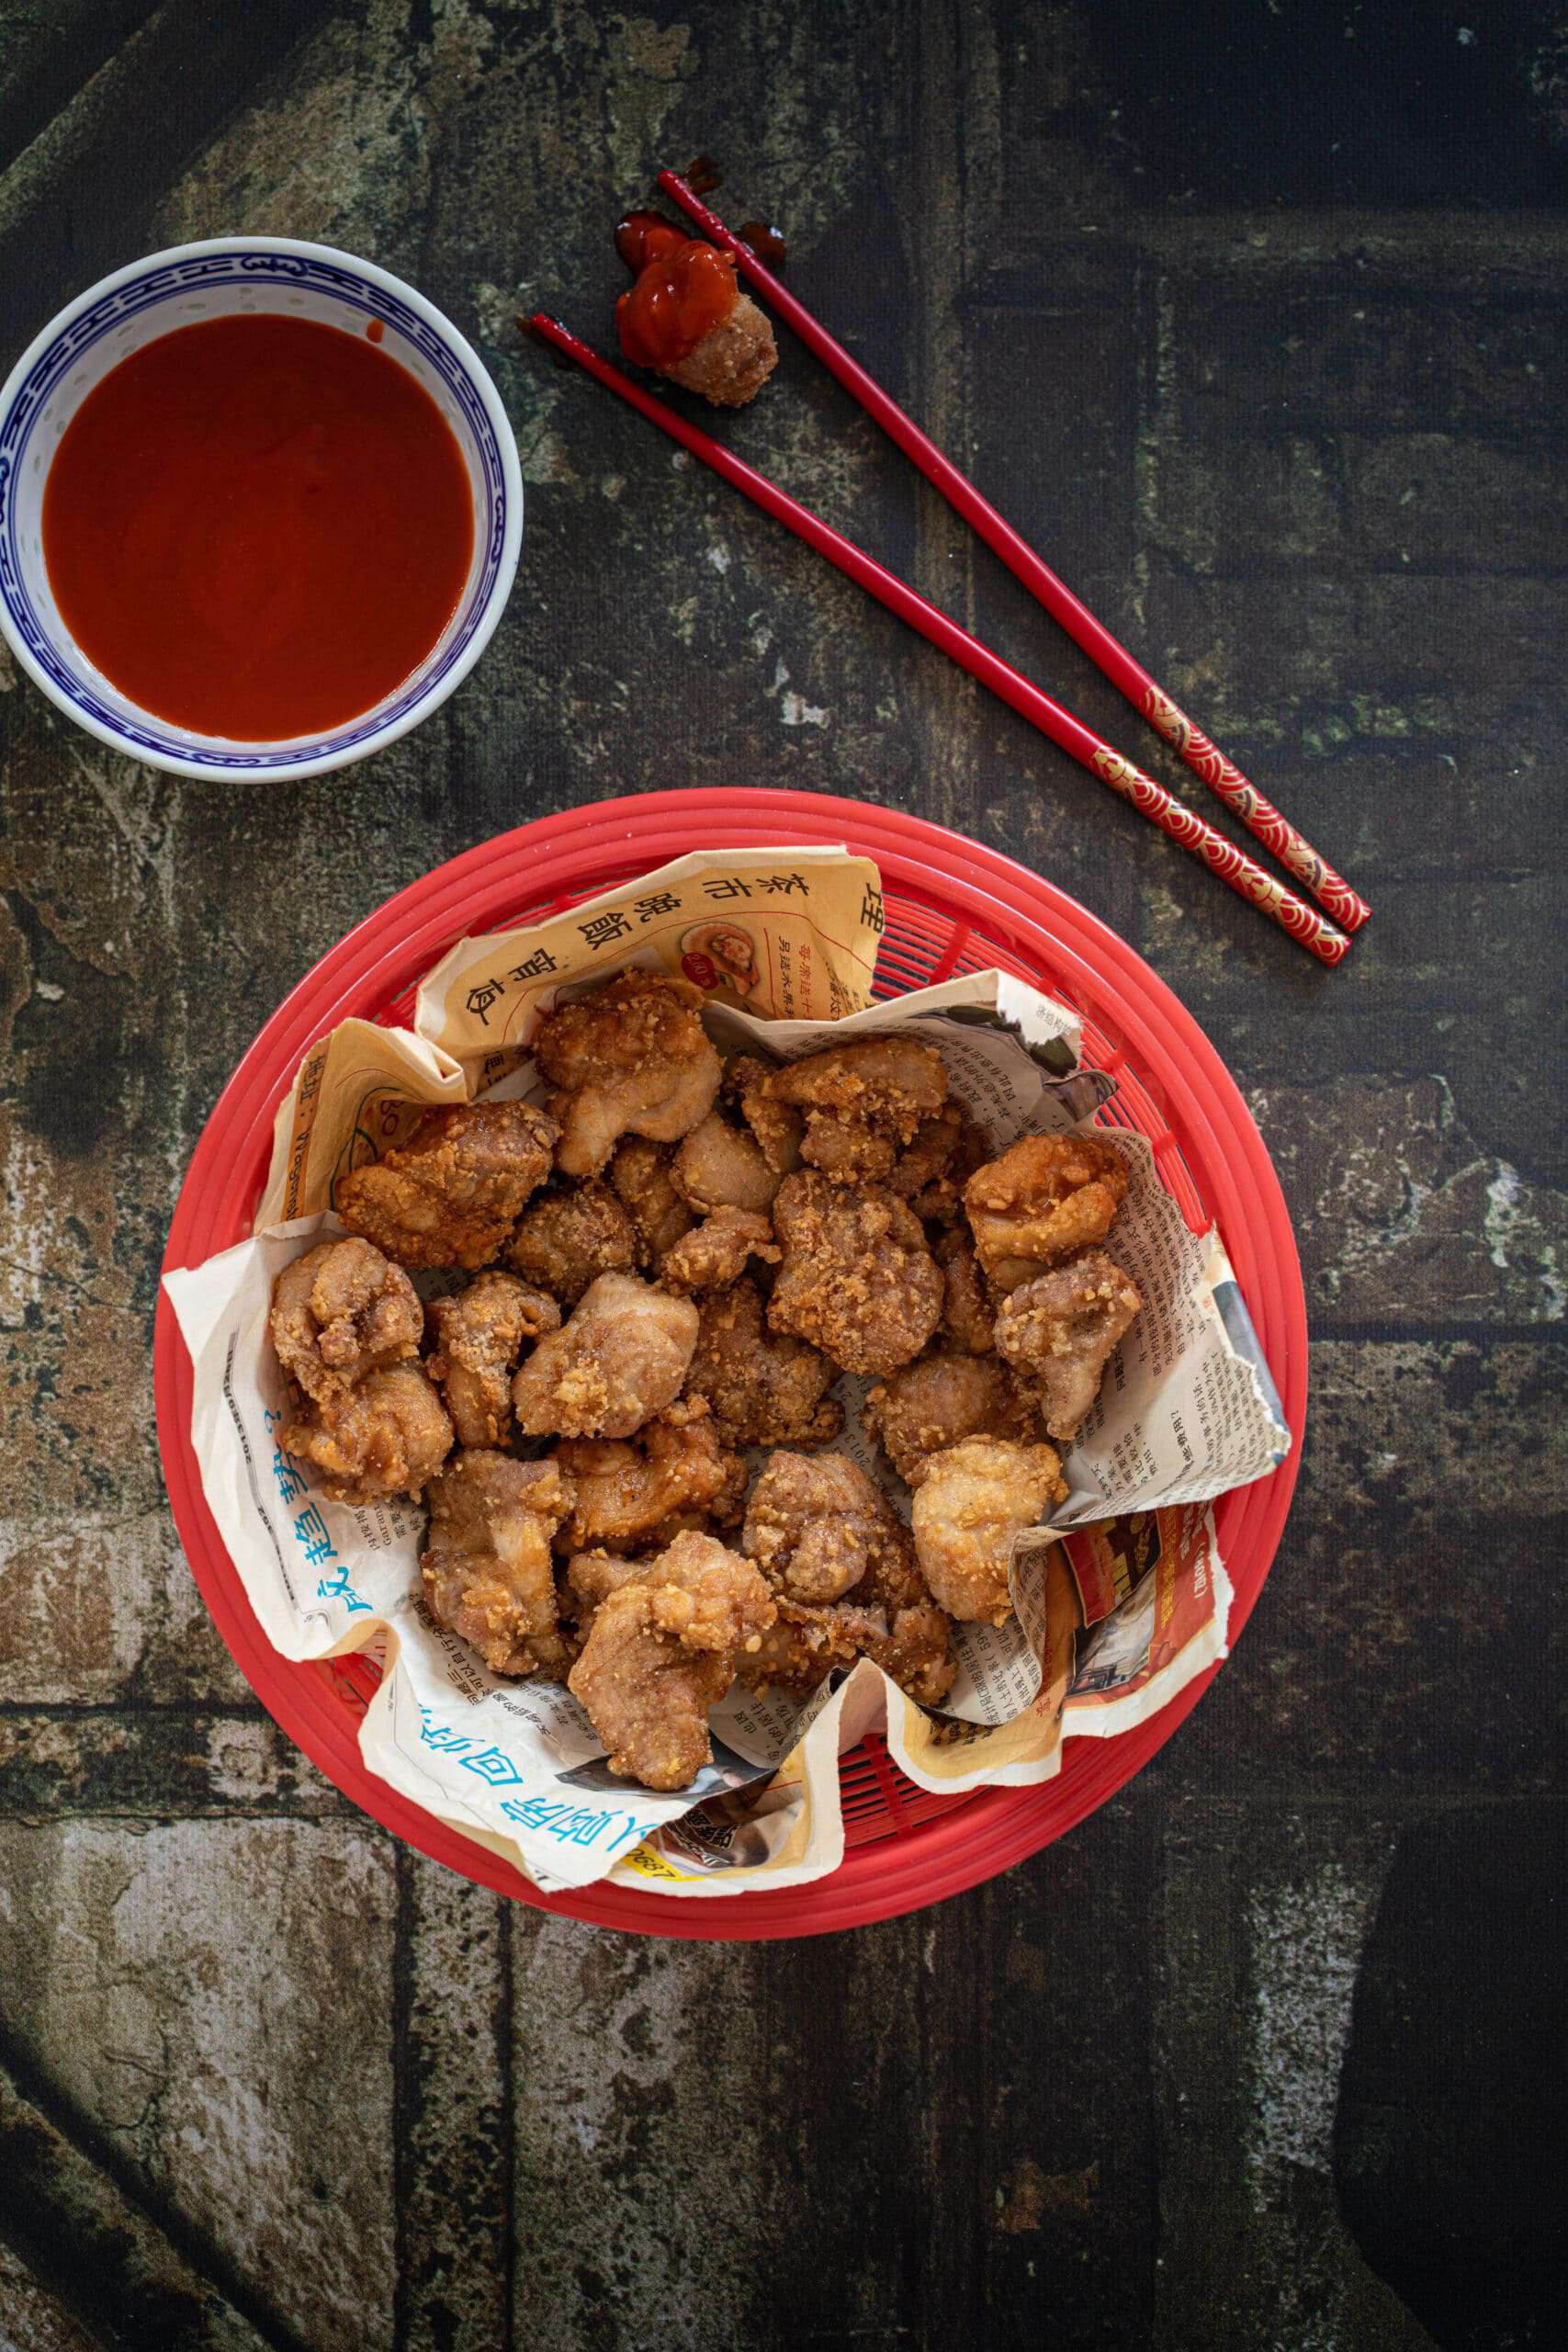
(862, 1102)
(488, 1568)
(570, 1237)
(452, 1193)
(626, 1488)
(386, 1435)
(1044, 1198)
(913, 1644)
(340, 1311)
(734, 359)
(639, 1172)
(662, 1650)
(1058, 1332)
(932, 1152)
(630, 1059)
(479, 1334)
(940, 1200)
(764, 1387)
(938, 1403)
(777, 1126)
(857, 1279)
(974, 1500)
(619, 1359)
(721, 1166)
(714, 1254)
(814, 1524)
(969, 1319)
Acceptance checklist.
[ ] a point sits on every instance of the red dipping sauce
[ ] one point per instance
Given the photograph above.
(258, 526)
(685, 289)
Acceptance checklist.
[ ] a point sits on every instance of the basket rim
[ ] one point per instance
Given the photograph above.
(1075, 953)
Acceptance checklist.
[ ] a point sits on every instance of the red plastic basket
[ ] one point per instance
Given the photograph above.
(951, 907)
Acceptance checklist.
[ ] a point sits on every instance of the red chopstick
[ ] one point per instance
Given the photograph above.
(1232, 865)
(1259, 816)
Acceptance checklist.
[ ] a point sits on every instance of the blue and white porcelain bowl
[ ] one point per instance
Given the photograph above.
(177, 288)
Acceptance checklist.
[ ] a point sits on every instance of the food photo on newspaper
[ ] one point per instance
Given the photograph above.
(664, 1361)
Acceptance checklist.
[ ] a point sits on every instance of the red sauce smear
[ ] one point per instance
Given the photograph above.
(258, 526)
(681, 295)
(767, 242)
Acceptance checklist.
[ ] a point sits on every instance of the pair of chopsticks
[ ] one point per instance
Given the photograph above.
(1241, 873)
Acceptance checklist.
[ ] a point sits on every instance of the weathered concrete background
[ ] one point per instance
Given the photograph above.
(1260, 2055)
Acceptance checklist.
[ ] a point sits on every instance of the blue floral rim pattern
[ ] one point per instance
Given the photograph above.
(144, 293)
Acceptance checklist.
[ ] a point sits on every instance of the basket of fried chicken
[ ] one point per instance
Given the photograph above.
(663, 1388)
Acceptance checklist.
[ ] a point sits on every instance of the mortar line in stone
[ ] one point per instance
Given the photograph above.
(189, 2242)
(403, 2096)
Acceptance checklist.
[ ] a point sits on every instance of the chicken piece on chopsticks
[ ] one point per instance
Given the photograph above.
(857, 1279)
(687, 316)
(632, 1059)
(975, 1501)
(1046, 1197)
(451, 1194)
(340, 1311)
(479, 1334)
(662, 1650)
(1058, 1332)
(620, 1357)
(488, 1567)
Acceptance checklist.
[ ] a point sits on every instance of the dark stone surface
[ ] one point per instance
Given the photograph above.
(1253, 319)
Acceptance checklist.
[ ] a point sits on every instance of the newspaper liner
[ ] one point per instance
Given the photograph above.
(1113, 1619)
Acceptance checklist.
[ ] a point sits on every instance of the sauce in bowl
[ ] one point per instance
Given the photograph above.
(257, 526)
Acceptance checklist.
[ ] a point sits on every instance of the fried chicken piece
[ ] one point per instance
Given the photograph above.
(488, 1568)
(778, 1126)
(842, 1564)
(764, 1387)
(974, 1498)
(570, 1237)
(862, 1102)
(815, 1523)
(626, 1488)
(452, 1193)
(929, 1153)
(940, 1200)
(967, 1316)
(718, 1167)
(386, 1435)
(340, 1311)
(734, 359)
(662, 1650)
(619, 1359)
(857, 1279)
(639, 1173)
(1044, 1198)
(479, 1334)
(591, 1577)
(1057, 1332)
(714, 1254)
(630, 1059)
(939, 1402)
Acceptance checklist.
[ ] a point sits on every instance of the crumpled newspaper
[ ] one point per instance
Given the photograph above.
(1121, 1600)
